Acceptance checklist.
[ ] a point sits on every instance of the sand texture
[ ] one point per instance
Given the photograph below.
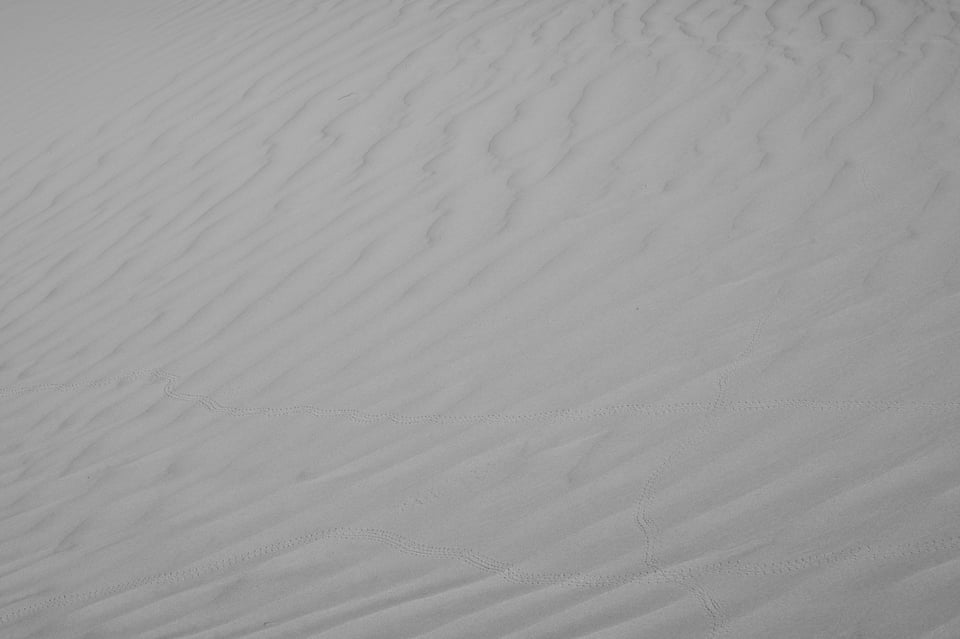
(480, 318)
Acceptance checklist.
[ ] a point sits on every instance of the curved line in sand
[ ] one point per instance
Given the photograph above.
(170, 382)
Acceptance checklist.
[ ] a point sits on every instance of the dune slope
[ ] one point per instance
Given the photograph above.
(472, 318)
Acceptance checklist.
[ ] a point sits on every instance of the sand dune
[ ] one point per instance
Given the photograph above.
(463, 318)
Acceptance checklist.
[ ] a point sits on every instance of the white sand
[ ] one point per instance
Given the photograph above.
(476, 318)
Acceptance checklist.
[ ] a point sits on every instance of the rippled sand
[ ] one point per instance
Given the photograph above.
(477, 318)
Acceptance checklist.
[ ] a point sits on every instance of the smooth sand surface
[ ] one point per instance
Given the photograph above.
(480, 318)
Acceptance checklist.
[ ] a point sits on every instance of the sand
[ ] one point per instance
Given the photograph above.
(476, 318)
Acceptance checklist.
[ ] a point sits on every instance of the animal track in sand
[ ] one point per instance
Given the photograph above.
(685, 575)
(652, 572)
(648, 527)
(171, 381)
(272, 65)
